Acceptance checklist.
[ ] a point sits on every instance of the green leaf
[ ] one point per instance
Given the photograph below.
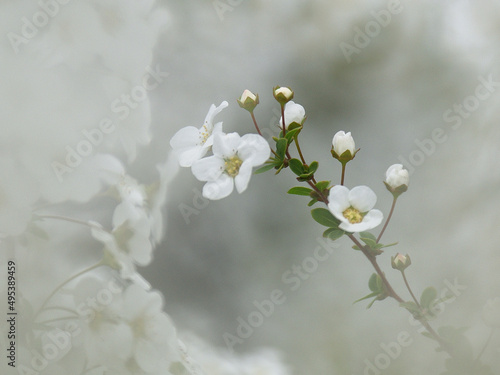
(372, 283)
(333, 233)
(296, 166)
(325, 217)
(294, 125)
(313, 201)
(265, 168)
(281, 146)
(300, 190)
(291, 134)
(428, 297)
(367, 235)
(365, 297)
(322, 185)
(313, 167)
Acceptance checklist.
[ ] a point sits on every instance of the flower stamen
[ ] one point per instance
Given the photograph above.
(353, 215)
(232, 165)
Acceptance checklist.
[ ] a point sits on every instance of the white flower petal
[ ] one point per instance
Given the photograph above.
(218, 189)
(217, 130)
(254, 147)
(185, 138)
(243, 178)
(362, 198)
(214, 111)
(339, 201)
(226, 145)
(208, 169)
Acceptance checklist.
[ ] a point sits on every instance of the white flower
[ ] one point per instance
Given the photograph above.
(342, 142)
(232, 163)
(293, 113)
(157, 195)
(191, 144)
(491, 312)
(354, 208)
(155, 342)
(396, 175)
(127, 245)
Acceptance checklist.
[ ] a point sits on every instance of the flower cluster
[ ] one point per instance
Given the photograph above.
(233, 156)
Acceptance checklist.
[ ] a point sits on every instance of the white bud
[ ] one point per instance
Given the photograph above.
(293, 113)
(247, 94)
(284, 92)
(342, 142)
(396, 176)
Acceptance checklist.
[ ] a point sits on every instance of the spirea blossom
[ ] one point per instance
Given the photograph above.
(354, 208)
(343, 142)
(396, 175)
(191, 144)
(231, 164)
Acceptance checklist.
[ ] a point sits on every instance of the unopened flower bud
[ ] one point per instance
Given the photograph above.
(343, 146)
(248, 100)
(397, 179)
(283, 94)
(400, 262)
(293, 113)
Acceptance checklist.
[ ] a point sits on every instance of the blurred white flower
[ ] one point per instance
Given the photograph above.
(191, 144)
(127, 245)
(213, 360)
(132, 205)
(491, 312)
(155, 343)
(354, 208)
(342, 142)
(157, 196)
(232, 163)
(396, 175)
(293, 113)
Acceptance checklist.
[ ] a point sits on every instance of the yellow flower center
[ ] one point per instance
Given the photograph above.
(353, 215)
(204, 134)
(232, 165)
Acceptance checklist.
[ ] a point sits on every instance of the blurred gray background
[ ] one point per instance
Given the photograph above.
(391, 96)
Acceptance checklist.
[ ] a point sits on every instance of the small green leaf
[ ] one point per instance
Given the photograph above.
(333, 233)
(300, 190)
(291, 134)
(313, 167)
(296, 166)
(281, 146)
(367, 235)
(365, 297)
(322, 185)
(265, 168)
(372, 283)
(325, 217)
(294, 125)
(428, 297)
(313, 201)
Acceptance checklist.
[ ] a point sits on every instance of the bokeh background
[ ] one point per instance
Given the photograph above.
(391, 96)
(422, 72)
